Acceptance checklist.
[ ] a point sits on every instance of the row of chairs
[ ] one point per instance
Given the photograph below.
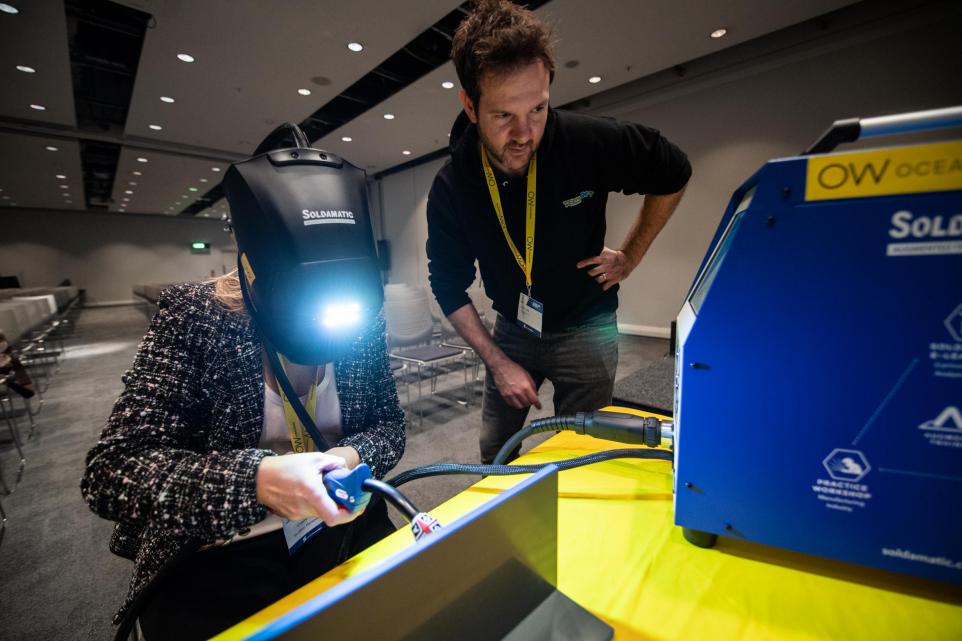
(34, 322)
(422, 340)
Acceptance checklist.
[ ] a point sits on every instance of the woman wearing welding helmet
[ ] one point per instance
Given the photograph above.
(205, 463)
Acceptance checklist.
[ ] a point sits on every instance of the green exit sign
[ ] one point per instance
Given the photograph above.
(199, 248)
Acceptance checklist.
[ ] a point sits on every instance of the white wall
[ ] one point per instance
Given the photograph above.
(731, 127)
(107, 253)
(729, 123)
(404, 206)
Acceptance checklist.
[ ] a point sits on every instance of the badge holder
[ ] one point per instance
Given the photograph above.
(530, 314)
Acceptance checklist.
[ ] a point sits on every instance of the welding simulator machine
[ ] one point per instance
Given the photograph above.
(818, 379)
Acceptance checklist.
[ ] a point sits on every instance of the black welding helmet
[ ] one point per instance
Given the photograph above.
(307, 261)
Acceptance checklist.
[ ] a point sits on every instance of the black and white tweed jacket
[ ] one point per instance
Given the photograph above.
(177, 459)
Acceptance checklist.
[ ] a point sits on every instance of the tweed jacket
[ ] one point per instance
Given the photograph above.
(177, 459)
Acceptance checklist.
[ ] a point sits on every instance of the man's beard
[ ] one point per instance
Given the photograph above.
(498, 159)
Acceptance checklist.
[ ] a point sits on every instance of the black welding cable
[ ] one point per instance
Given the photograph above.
(620, 427)
(392, 496)
(441, 469)
(551, 424)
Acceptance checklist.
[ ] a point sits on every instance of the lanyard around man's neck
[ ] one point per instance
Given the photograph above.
(527, 262)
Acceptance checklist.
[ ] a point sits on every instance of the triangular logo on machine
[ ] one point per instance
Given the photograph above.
(950, 420)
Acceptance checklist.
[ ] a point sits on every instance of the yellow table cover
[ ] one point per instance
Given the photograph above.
(622, 558)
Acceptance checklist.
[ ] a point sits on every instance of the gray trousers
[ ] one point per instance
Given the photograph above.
(580, 362)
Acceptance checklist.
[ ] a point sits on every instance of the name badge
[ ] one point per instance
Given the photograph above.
(530, 314)
(297, 533)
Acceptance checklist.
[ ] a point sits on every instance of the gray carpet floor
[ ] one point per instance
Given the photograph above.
(57, 579)
(651, 385)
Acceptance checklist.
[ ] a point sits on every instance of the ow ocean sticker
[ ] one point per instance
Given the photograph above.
(882, 172)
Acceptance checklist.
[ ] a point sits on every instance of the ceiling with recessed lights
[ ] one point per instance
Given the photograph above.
(232, 70)
(40, 172)
(156, 182)
(44, 74)
(252, 58)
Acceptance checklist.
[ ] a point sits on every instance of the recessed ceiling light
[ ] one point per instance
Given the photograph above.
(304, 92)
(406, 152)
(38, 107)
(122, 209)
(13, 204)
(126, 200)
(155, 127)
(69, 202)
(215, 168)
(167, 99)
(185, 57)
(389, 116)
(26, 69)
(447, 84)
(51, 148)
(355, 46)
(7, 8)
(137, 173)
(6, 197)
(127, 191)
(192, 189)
(141, 159)
(64, 187)
(594, 79)
(203, 180)
(61, 176)
(346, 138)
(66, 195)
(132, 183)
(718, 33)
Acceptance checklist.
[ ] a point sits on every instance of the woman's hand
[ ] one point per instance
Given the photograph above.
(292, 487)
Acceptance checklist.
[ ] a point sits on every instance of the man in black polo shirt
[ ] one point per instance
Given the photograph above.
(524, 194)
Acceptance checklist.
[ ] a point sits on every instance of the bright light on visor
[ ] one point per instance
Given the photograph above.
(341, 315)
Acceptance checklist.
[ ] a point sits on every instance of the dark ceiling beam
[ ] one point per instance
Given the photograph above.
(105, 66)
(105, 41)
(387, 75)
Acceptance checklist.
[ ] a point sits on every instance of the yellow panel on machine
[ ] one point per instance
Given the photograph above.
(883, 172)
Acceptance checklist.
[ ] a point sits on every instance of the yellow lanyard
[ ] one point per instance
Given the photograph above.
(301, 440)
(524, 263)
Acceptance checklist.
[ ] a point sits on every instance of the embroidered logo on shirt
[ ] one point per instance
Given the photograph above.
(574, 202)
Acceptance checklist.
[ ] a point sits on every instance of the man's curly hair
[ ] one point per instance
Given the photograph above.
(498, 37)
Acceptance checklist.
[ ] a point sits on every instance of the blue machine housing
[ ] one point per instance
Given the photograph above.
(819, 378)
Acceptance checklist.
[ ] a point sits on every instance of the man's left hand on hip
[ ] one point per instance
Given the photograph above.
(611, 266)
